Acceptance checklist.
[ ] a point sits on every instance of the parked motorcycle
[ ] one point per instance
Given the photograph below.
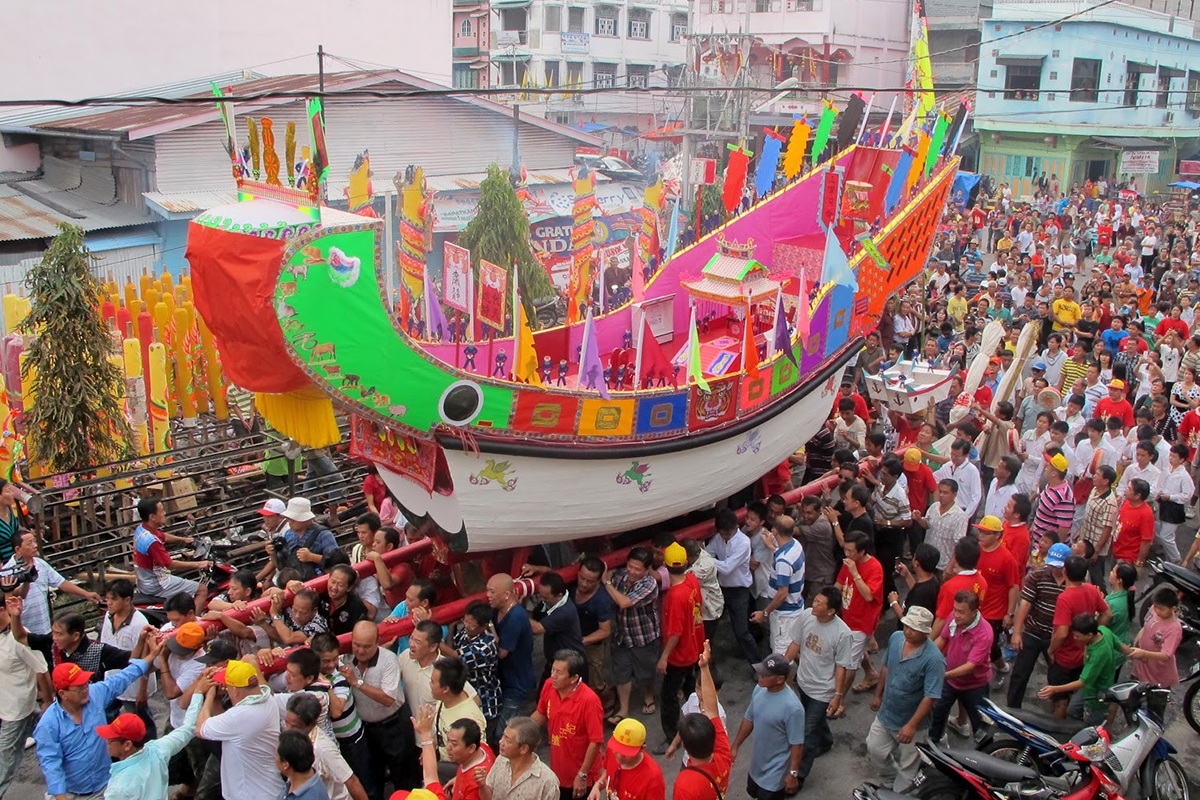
(1034, 741)
(216, 577)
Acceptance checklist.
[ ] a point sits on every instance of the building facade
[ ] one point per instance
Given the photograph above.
(588, 43)
(471, 30)
(809, 43)
(1112, 93)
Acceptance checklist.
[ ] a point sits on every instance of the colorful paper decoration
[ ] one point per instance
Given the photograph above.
(735, 176)
(270, 157)
(749, 348)
(160, 431)
(824, 128)
(360, 192)
(936, 141)
(768, 162)
(230, 142)
(525, 357)
(920, 68)
(591, 369)
(793, 159)
(583, 229)
(435, 320)
(316, 127)
(899, 179)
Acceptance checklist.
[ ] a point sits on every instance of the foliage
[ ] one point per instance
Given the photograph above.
(77, 418)
(499, 233)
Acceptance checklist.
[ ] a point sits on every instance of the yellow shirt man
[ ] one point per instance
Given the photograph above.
(956, 307)
(1066, 313)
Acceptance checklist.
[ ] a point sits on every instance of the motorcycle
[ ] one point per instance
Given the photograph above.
(215, 577)
(1183, 580)
(1191, 698)
(1035, 741)
(951, 774)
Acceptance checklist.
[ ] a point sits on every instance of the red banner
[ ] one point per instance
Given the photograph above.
(411, 457)
(493, 288)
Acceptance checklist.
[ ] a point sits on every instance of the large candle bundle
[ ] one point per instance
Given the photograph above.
(183, 369)
(157, 400)
(213, 370)
(135, 394)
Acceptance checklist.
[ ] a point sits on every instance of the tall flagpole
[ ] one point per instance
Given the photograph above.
(637, 359)
(887, 123)
(866, 113)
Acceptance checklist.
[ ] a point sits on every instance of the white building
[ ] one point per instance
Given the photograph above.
(589, 43)
(850, 43)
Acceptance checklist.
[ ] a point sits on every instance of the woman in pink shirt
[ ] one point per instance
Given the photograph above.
(1153, 653)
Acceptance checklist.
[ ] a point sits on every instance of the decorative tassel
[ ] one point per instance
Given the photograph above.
(254, 147)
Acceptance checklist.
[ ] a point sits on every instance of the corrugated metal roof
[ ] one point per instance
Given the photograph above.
(541, 177)
(33, 116)
(189, 202)
(139, 122)
(69, 191)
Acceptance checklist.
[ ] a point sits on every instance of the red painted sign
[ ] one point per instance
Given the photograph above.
(411, 457)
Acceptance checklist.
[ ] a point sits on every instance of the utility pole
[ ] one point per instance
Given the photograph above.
(685, 178)
(321, 68)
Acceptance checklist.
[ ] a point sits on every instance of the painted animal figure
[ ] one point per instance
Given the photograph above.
(638, 473)
(300, 271)
(500, 473)
(351, 379)
(323, 352)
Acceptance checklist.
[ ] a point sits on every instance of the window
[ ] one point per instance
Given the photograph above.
(762, 6)
(1019, 167)
(551, 73)
(1165, 76)
(574, 73)
(1085, 80)
(674, 74)
(606, 20)
(800, 5)
(639, 75)
(1133, 81)
(639, 23)
(721, 6)
(516, 19)
(575, 20)
(605, 75)
(465, 77)
(678, 27)
(512, 73)
(1022, 81)
(1193, 92)
(553, 18)
(465, 29)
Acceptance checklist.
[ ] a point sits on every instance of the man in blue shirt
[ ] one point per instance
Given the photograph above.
(74, 760)
(139, 770)
(308, 542)
(778, 715)
(514, 640)
(909, 683)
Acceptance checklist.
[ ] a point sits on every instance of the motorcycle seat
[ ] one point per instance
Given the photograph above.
(1059, 728)
(140, 599)
(992, 768)
(1184, 576)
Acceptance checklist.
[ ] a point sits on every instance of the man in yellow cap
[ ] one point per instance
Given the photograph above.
(682, 636)
(250, 729)
(1055, 511)
(629, 772)
(999, 570)
(1115, 405)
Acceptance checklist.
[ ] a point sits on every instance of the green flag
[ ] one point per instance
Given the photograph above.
(824, 127)
(935, 145)
(695, 368)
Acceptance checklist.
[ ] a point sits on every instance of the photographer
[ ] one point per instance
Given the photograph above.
(34, 579)
(302, 545)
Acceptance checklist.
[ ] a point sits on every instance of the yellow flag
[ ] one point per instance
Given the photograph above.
(525, 365)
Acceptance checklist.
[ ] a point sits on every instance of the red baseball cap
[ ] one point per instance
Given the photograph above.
(67, 675)
(127, 727)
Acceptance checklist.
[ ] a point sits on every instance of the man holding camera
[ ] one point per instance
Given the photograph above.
(33, 579)
(303, 545)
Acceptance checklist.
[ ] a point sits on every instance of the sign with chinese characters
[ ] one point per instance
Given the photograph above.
(576, 42)
(456, 279)
(1143, 162)
(703, 171)
(493, 287)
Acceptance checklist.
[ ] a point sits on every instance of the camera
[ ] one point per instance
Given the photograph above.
(16, 576)
(280, 543)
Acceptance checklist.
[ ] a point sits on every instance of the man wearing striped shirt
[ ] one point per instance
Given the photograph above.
(893, 516)
(1056, 504)
(788, 583)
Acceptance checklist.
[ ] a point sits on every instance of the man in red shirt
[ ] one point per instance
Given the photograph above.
(966, 561)
(1016, 529)
(574, 719)
(682, 637)
(629, 771)
(1066, 654)
(1189, 433)
(1115, 405)
(707, 745)
(999, 571)
(465, 747)
(1173, 323)
(861, 584)
(921, 486)
(1135, 525)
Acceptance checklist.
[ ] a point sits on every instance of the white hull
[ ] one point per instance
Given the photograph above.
(550, 499)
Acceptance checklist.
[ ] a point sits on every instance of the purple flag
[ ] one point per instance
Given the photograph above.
(783, 342)
(435, 320)
(591, 370)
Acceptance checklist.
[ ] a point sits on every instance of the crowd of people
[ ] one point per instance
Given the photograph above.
(947, 553)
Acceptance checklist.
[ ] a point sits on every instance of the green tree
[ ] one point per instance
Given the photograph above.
(499, 233)
(77, 419)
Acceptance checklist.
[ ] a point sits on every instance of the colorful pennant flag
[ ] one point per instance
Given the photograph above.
(435, 320)
(824, 128)
(836, 267)
(803, 310)
(936, 141)
(591, 370)
(920, 74)
(652, 364)
(793, 159)
(695, 366)
(898, 180)
(735, 177)
(525, 357)
(749, 348)
(673, 231)
(783, 341)
(768, 162)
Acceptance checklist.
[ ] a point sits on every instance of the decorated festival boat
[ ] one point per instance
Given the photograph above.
(724, 363)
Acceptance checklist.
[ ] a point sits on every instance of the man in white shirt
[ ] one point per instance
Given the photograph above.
(374, 675)
(944, 522)
(36, 615)
(965, 474)
(730, 549)
(1054, 357)
(121, 627)
(249, 729)
(23, 669)
(303, 711)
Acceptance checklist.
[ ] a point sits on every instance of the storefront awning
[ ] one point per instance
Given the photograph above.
(1020, 61)
(1130, 143)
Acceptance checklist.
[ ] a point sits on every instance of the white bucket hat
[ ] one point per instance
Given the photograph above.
(299, 509)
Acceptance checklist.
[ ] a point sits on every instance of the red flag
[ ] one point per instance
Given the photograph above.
(749, 348)
(653, 364)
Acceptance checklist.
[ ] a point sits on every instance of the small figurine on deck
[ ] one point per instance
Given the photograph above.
(501, 361)
(563, 369)
(469, 353)
(621, 377)
(627, 340)
(608, 376)
(546, 369)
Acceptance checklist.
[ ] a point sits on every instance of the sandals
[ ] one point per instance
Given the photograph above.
(613, 719)
(865, 686)
(649, 708)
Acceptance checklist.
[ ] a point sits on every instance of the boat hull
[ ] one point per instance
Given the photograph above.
(503, 499)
